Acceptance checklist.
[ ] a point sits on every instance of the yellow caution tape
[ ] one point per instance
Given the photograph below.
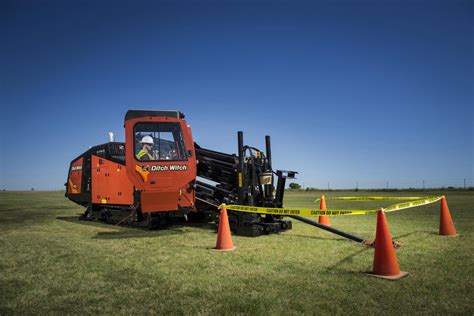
(284, 211)
(373, 198)
(402, 206)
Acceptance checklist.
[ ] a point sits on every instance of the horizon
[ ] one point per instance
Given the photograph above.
(306, 189)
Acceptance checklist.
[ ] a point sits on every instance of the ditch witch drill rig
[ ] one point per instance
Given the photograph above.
(151, 179)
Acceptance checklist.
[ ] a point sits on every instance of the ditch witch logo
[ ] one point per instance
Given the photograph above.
(165, 168)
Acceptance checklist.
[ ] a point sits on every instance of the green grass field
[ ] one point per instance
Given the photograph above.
(52, 263)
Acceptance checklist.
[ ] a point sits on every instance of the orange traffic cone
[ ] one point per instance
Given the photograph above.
(446, 226)
(323, 219)
(385, 261)
(224, 238)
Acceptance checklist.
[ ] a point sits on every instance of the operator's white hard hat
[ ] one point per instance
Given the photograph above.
(147, 140)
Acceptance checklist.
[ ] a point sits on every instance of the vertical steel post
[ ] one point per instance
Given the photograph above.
(268, 149)
(241, 167)
(280, 191)
(268, 188)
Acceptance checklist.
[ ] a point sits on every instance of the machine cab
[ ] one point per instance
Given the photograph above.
(160, 159)
(159, 141)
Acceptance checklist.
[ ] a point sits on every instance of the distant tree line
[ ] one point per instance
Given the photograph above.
(296, 186)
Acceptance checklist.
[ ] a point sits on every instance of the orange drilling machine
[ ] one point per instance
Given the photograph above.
(160, 175)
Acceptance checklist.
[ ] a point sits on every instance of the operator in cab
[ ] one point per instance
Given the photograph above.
(145, 154)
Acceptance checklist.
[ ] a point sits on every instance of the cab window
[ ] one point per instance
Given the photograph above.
(159, 141)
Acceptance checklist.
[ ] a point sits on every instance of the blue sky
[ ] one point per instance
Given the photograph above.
(367, 91)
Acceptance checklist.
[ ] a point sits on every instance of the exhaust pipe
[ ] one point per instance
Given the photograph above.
(111, 137)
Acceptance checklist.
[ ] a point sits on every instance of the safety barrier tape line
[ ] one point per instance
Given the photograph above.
(402, 206)
(312, 212)
(373, 198)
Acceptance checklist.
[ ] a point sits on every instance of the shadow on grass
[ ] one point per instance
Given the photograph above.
(335, 236)
(12, 289)
(348, 259)
(13, 218)
(75, 220)
(135, 232)
(124, 231)
(319, 238)
(427, 232)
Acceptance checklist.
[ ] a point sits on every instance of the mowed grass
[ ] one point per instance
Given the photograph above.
(52, 263)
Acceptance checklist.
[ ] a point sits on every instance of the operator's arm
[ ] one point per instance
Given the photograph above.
(143, 155)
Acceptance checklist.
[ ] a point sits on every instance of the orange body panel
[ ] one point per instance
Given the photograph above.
(75, 177)
(159, 201)
(110, 183)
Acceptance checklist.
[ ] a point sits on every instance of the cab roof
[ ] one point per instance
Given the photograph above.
(131, 114)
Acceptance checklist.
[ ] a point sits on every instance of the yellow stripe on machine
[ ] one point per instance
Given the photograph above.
(330, 212)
